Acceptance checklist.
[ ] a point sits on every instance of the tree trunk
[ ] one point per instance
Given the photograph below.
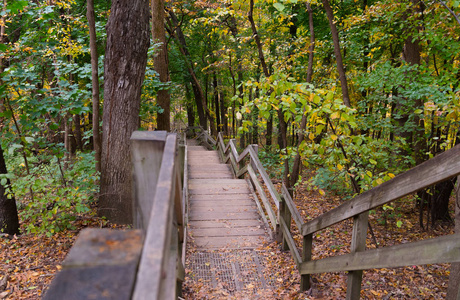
(160, 62)
(128, 40)
(9, 221)
(303, 123)
(97, 143)
(338, 54)
(196, 86)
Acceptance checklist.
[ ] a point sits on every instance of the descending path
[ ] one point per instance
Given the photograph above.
(222, 213)
(224, 225)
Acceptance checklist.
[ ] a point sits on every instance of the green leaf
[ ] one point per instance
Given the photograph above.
(399, 224)
(280, 7)
(372, 161)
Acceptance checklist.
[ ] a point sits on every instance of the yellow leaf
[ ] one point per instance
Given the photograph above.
(340, 167)
(391, 175)
(322, 192)
(333, 137)
(311, 136)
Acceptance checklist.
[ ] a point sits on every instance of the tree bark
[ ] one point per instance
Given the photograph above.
(338, 54)
(128, 40)
(160, 62)
(303, 123)
(9, 220)
(196, 86)
(97, 143)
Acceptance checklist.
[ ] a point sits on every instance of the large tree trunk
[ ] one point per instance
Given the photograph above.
(97, 143)
(338, 54)
(128, 40)
(160, 62)
(9, 221)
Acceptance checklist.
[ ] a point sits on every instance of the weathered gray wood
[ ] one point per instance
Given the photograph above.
(261, 211)
(146, 153)
(292, 208)
(222, 232)
(156, 254)
(225, 223)
(241, 242)
(265, 201)
(218, 215)
(444, 249)
(439, 168)
(224, 208)
(290, 241)
(102, 264)
(307, 247)
(358, 243)
(268, 183)
(213, 197)
(213, 202)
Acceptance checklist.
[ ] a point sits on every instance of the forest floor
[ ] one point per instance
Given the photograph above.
(398, 223)
(28, 263)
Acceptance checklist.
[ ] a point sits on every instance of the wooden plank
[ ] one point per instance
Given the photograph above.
(219, 197)
(95, 246)
(225, 223)
(268, 183)
(439, 168)
(210, 182)
(220, 190)
(209, 175)
(102, 264)
(243, 203)
(358, 243)
(245, 242)
(307, 247)
(215, 215)
(265, 201)
(292, 208)
(444, 249)
(290, 241)
(260, 209)
(222, 232)
(224, 209)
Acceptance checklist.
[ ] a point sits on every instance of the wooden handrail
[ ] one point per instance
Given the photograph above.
(437, 250)
(165, 233)
(142, 263)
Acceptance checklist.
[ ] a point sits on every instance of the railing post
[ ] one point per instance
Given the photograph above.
(307, 246)
(358, 243)
(147, 153)
(285, 214)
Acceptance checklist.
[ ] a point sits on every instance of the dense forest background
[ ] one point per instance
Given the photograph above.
(353, 91)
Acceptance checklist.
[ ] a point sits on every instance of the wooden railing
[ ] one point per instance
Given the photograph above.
(146, 262)
(445, 249)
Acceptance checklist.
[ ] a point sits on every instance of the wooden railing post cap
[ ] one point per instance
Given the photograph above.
(149, 135)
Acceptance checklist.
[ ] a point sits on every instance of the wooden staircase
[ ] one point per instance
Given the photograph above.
(222, 213)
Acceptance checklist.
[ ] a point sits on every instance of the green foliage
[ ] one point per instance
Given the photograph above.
(53, 195)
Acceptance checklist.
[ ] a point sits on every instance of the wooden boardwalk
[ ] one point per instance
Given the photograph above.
(222, 213)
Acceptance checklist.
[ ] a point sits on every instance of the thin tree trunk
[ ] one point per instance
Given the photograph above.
(97, 142)
(128, 38)
(303, 123)
(160, 62)
(9, 220)
(338, 54)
